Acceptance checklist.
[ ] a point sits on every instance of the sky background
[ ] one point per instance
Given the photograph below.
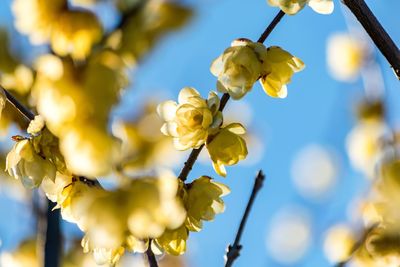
(318, 110)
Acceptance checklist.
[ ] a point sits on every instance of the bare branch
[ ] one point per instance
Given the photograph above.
(233, 251)
(151, 257)
(52, 247)
(377, 33)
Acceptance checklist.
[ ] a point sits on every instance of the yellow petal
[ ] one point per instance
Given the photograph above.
(167, 110)
(322, 6)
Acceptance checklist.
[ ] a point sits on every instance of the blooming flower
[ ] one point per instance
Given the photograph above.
(280, 66)
(25, 164)
(173, 241)
(292, 7)
(191, 120)
(204, 201)
(227, 147)
(241, 65)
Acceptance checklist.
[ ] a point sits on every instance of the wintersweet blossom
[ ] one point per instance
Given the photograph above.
(292, 7)
(227, 147)
(242, 64)
(204, 201)
(192, 119)
(25, 164)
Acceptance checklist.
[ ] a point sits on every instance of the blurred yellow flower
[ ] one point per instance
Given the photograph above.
(53, 189)
(36, 125)
(25, 255)
(36, 18)
(74, 33)
(20, 79)
(345, 56)
(339, 243)
(292, 7)
(227, 147)
(280, 66)
(25, 164)
(191, 120)
(363, 146)
(102, 256)
(203, 201)
(173, 241)
(3, 100)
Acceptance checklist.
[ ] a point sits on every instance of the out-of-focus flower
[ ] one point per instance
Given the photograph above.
(191, 120)
(280, 66)
(173, 241)
(89, 151)
(53, 189)
(292, 7)
(20, 79)
(36, 18)
(242, 64)
(3, 100)
(289, 236)
(363, 145)
(203, 201)
(25, 164)
(74, 33)
(102, 256)
(345, 56)
(24, 256)
(142, 31)
(339, 243)
(36, 125)
(227, 147)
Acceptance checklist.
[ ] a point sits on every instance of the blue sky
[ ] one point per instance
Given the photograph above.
(318, 110)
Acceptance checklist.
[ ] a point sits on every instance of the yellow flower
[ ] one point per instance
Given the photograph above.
(203, 201)
(25, 164)
(36, 17)
(74, 33)
(173, 241)
(280, 66)
(102, 255)
(227, 147)
(339, 243)
(192, 120)
(345, 56)
(26, 255)
(89, 151)
(292, 7)
(36, 125)
(20, 79)
(53, 189)
(363, 145)
(155, 206)
(3, 100)
(239, 67)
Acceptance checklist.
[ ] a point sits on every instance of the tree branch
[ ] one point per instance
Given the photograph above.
(377, 33)
(233, 251)
(52, 247)
(150, 256)
(28, 115)
(224, 99)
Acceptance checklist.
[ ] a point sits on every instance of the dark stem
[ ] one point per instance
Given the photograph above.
(150, 256)
(377, 33)
(21, 108)
(271, 27)
(233, 251)
(224, 99)
(52, 247)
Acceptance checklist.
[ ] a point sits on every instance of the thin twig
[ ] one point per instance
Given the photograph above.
(28, 115)
(233, 251)
(377, 33)
(224, 99)
(151, 257)
(271, 27)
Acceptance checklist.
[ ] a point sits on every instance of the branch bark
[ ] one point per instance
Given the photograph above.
(233, 251)
(376, 31)
(52, 247)
(151, 257)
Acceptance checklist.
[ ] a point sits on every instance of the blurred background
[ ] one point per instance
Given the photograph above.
(301, 142)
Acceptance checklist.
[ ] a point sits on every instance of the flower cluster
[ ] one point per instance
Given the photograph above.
(242, 64)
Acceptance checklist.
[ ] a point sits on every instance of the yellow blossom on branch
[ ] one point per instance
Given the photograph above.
(227, 147)
(191, 120)
(241, 65)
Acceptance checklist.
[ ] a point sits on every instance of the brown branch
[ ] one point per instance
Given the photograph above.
(224, 99)
(377, 33)
(151, 257)
(233, 251)
(28, 115)
(52, 246)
